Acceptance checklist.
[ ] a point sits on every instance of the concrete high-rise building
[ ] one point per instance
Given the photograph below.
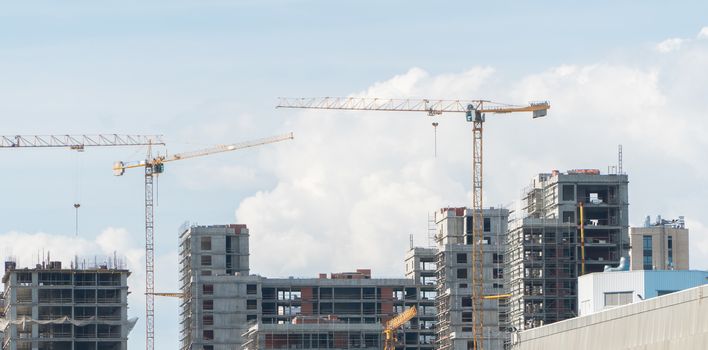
(453, 258)
(546, 251)
(214, 308)
(226, 308)
(50, 307)
(662, 245)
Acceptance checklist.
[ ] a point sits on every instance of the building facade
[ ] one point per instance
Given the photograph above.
(226, 308)
(50, 307)
(453, 261)
(662, 245)
(214, 310)
(550, 245)
(605, 290)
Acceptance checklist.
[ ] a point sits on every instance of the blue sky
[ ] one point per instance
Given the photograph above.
(207, 72)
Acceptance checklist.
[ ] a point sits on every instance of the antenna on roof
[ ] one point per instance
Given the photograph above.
(619, 159)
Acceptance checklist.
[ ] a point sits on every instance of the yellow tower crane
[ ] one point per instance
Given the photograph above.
(392, 326)
(153, 167)
(475, 112)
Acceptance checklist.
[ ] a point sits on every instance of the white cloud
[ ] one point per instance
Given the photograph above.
(703, 34)
(669, 45)
(353, 186)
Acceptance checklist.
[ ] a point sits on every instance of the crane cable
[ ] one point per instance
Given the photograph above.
(77, 191)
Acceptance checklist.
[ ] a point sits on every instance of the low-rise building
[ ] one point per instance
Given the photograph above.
(662, 245)
(673, 321)
(604, 290)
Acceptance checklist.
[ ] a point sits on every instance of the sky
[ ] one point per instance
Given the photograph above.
(352, 187)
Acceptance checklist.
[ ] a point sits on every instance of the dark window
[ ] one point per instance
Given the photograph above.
(250, 318)
(568, 193)
(462, 258)
(568, 217)
(466, 317)
(647, 261)
(466, 302)
(497, 258)
(670, 245)
(498, 273)
(251, 304)
(206, 272)
(206, 260)
(208, 347)
(461, 273)
(251, 289)
(208, 320)
(487, 224)
(206, 243)
(208, 289)
(208, 334)
(208, 304)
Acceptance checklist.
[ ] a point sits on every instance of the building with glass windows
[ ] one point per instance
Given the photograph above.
(662, 245)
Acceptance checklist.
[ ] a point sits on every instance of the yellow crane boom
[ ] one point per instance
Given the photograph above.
(153, 167)
(474, 111)
(393, 324)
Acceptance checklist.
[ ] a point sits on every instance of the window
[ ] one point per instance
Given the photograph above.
(497, 258)
(428, 294)
(461, 273)
(206, 272)
(462, 258)
(647, 250)
(568, 193)
(208, 304)
(208, 289)
(250, 318)
(487, 225)
(568, 217)
(208, 320)
(466, 317)
(206, 260)
(205, 243)
(497, 273)
(670, 251)
(251, 289)
(208, 334)
(251, 304)
(466, 302)
(617, 298)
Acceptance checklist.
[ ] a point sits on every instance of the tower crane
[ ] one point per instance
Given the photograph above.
(475, 112)
(154, 166)
(394, 324)
(78, 143)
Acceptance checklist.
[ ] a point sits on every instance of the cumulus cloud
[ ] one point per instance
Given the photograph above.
(703, 34)
(354, 185)
(669, 45)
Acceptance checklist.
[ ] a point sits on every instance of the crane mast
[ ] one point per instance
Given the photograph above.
(154, 166)
(475, 111)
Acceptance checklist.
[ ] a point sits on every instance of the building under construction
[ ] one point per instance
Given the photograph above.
(453, 264)
(226, 308)
(568, 224)
(54, 308)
